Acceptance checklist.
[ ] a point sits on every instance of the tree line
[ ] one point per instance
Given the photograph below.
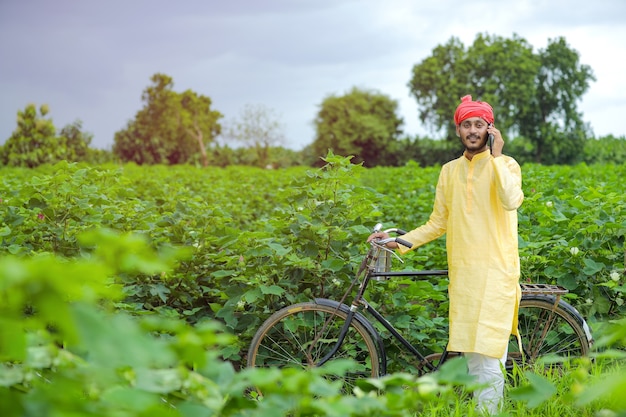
(535, 98)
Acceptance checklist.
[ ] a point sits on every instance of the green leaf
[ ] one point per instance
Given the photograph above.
(117, 341)
(223, 273)
(272, 289)
(160, 290)
(38, 203)
(569, 282)
(592, 267)
(15, 249)
(252, 295)
(12, 339)
(536, 392)
(39, 357)
(454, 371)
(558, 216)
(611, 386)
(161, 381)
(10, 375)
(279, 249)
(334, 264)
(132, 399)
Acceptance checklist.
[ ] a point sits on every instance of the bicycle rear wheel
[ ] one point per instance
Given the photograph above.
(302, 334)
(548, 328)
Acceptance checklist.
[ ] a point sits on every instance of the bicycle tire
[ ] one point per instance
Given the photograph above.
(548, 329)
(285, 340)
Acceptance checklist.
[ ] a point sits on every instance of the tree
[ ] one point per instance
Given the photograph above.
(534, 95)
(553, 124)
(75, 141)
(34, 141)
(199, 121)
(360, 123)
(172, 128)
(437, 84)
(257, 127)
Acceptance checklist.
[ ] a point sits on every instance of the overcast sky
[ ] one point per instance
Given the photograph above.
(91, 60)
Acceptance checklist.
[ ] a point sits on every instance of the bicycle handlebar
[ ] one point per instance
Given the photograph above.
(403, 242)
(395, 230)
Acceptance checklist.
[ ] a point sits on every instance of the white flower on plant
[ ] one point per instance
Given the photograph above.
(589, 301)
(241, 304)
(605, 413)
(427, 385)
(549, 204)
(574, 250)
(615, 276)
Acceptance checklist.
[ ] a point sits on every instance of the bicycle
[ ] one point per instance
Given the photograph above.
(310, 334)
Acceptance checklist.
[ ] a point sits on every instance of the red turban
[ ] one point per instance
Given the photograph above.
(469, 108)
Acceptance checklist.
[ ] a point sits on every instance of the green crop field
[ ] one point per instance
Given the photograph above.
(136, 290)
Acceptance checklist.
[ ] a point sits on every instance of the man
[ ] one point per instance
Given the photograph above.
(476, 205)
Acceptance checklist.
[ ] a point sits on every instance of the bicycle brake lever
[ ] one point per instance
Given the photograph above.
(394, 254)
(383, 247)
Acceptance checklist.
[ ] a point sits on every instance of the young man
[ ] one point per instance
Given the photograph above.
(476, 205)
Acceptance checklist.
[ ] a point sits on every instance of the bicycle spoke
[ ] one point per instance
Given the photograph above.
(299, 336)
(548, 329)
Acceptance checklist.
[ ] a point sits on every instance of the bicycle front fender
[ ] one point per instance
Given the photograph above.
(360, 318)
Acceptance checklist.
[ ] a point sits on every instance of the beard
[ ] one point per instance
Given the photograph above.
(475, 142)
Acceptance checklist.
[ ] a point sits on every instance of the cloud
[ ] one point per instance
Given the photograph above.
(92, 60)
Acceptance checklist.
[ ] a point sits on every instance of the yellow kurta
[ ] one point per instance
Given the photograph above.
(476, 207)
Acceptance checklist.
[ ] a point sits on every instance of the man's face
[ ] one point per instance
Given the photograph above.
(473, 134)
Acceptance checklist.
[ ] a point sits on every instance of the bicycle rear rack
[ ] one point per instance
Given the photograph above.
(542, 289)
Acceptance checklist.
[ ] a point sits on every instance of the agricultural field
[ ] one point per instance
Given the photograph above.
(157, 277)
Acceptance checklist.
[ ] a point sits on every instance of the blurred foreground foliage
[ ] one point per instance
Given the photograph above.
(66, 349)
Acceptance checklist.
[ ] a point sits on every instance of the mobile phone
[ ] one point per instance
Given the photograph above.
(490, 139)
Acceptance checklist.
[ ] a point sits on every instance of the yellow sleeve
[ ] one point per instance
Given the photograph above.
(436, 224)
(508, 182)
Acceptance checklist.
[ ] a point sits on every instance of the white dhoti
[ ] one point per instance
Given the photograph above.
(489, 373)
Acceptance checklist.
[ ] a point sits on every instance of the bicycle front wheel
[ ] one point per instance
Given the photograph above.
(302, 334)
(548, 329)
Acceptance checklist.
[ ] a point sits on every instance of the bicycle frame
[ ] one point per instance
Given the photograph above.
(361, 301)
